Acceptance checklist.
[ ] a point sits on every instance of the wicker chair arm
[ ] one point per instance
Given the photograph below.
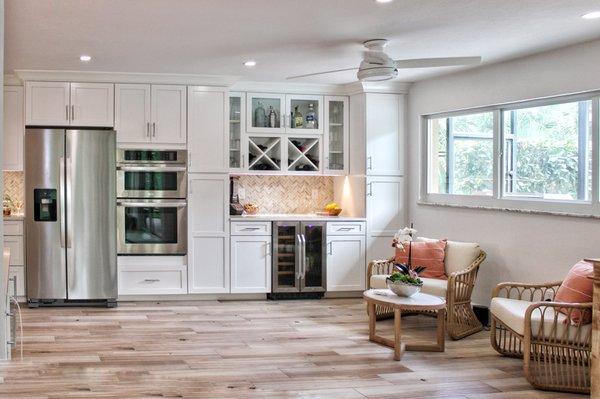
(551, 311)
(382, 266)
(527, 292)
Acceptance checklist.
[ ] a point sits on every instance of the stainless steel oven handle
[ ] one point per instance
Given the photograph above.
(151, 168)
(61, 200)
(162, 204)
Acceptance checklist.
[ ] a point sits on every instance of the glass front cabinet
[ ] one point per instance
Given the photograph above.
(237, 156)
(337, 134)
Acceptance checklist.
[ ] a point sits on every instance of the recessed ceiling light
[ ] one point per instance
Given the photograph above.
(591, 15)
(85, 58)
(384, 1)
(250, 63)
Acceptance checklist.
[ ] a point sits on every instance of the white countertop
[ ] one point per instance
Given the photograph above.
(293, 217)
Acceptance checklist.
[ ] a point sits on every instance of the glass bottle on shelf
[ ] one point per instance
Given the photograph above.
(311, 117)
(298, 118)
(260, 116)
(272, 117)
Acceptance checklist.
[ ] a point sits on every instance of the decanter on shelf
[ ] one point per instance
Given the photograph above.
(260, 116)
(311, 117)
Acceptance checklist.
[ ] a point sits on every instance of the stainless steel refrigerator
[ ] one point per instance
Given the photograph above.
(70, 207)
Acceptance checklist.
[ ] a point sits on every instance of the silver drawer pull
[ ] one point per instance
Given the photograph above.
(345, 229)
(251, 228)
(151, 280)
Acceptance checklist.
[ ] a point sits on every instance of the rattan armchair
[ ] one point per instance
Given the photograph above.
(461, 320)
(556, 352)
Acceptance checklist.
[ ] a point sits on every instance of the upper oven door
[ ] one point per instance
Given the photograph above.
(151, 181)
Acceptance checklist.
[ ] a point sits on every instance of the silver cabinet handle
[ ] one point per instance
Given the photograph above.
(331, 248)
(72, 112)
(151, 280)
(189, 159)
(69, 199)
(268, 247)
(243, 161)
(303, 239)
(370, 163)
(148, 129)
(159, 204)
(299, 256)
(67, 112)
(251, 228)
(345, 229)
(153, 129)
(370, 192)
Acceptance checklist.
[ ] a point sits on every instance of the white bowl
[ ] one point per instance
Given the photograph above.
(402, 289)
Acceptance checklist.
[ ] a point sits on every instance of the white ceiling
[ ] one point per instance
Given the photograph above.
(285, 37)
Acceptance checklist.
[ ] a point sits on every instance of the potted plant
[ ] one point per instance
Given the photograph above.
(405, 281)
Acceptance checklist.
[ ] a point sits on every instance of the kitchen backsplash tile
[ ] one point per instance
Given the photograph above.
(14, 183)
(287, 194)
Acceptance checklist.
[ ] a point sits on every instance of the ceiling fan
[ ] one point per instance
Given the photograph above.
(378, 66)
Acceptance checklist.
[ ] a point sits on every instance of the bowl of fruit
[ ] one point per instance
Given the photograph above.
(250, 209)
(333, 209)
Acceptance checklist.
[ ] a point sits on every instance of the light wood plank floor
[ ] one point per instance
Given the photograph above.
(253, 349)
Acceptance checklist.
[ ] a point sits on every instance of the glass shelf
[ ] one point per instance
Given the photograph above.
(303, 154)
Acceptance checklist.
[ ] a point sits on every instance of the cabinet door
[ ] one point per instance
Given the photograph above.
(250, 264)
(336, 127)
(258, 107)
(13, 128)
(169, 114)
(237, 127)
(208, 248)
(386, 212)
(385, 134)
(346, 263)
(208, 139)
(132, 113)
(92, 104)
(47, 103)
(304, 114)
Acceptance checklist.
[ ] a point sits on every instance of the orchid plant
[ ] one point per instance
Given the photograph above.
(404, 272)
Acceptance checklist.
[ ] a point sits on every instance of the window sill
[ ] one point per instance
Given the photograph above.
(509, 209)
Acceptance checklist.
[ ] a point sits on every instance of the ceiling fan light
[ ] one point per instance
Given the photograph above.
(377, 74)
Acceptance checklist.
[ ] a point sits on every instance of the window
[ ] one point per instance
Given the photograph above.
(537, 155)
(547, 151)
(462, 149)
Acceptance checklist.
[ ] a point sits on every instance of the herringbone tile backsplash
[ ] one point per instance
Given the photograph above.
(287, 194)
(14, 183)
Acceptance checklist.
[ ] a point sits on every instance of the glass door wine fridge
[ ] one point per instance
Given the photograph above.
(299, 259)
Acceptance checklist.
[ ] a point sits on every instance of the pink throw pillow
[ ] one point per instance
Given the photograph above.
(577, 287)
(427, 254)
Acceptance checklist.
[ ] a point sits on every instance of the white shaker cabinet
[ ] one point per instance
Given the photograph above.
(346, 263)
(13, 128)
(132, 113)
(385, 134)
(251, 264)
(69, 104)
(168, 108)
(47, 103)
(208, 142)
(150, 114)
(208, 233)
(386, 212)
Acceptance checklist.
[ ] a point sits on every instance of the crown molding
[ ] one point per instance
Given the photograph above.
(124, 77)
(12, 80)
(289, 88)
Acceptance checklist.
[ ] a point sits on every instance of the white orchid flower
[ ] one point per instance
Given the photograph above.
(408, 231)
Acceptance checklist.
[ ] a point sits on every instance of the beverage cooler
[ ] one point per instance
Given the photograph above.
(299, 260)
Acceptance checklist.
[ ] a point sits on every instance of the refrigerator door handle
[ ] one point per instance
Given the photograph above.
(61, 199)
(69, 200)
(299, 256)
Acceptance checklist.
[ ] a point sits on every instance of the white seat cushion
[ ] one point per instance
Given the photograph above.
(431, 286)
(459, 255)
(512, 313)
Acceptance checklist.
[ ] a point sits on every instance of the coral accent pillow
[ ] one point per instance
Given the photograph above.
(428, 254)
(577, 288)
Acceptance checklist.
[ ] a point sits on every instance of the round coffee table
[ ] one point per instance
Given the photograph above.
(418, 302)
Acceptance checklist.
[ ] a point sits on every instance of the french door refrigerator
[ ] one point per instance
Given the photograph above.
(299, 259)
(71, 216)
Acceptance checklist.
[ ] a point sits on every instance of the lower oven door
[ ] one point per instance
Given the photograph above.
(151, 227)
(151, 181)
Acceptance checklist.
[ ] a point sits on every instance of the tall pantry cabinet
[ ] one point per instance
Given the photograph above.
(208, 190)
(377, 131)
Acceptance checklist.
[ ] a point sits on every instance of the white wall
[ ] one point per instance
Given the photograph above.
(529, 248)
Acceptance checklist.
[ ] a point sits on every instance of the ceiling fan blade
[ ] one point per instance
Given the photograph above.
(320, 73)
(437, 62)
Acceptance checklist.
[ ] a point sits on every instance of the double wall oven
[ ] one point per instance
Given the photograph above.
(151, 202)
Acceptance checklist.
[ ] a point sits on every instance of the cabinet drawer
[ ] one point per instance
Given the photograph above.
(251, 228)
(152, 280)
(15, 243)
(13, 228)
(19, 273)
(346, 228)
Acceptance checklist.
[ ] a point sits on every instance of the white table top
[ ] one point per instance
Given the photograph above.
(418, 301)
